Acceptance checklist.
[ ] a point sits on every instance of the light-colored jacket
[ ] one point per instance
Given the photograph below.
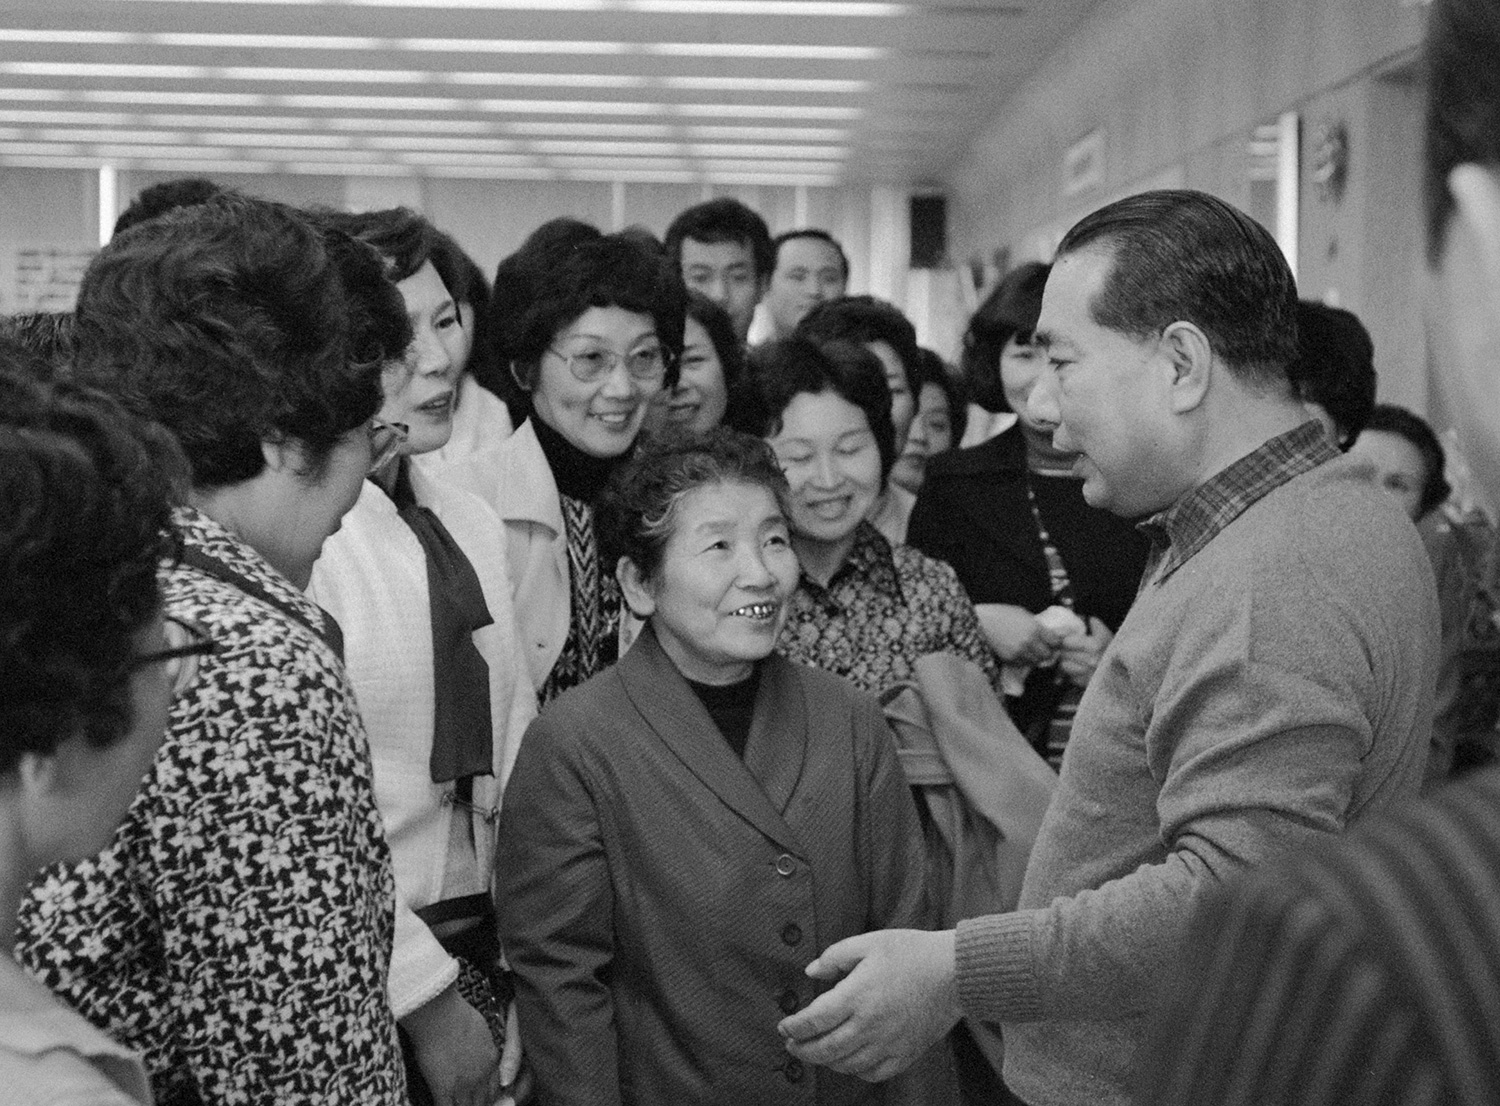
(513, 477)
(372, 577)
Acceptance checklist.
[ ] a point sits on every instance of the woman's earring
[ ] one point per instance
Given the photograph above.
(517, 377)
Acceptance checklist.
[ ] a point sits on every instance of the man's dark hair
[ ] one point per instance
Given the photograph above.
(235, 322)
(164, 197)
(865, 319)
(1010, 311)
(86, 492)
(562, 270)
(1390, 419)
(1335, 366)
(1463, 102)
(782, 370)
(808, 232)
(638, 511)
(1179, 255)
(723, 220)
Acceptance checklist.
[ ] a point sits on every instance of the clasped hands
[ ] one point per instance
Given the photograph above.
(897, 993)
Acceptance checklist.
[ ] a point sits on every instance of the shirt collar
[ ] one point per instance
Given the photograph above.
(871, 561)
(1184, 528)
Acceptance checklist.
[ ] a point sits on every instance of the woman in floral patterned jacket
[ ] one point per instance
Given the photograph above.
(237, 931)
(864, 608)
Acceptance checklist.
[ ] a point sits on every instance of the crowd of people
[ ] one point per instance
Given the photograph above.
(422, 688)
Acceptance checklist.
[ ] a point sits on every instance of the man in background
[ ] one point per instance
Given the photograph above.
(724, 251)
(810, 269)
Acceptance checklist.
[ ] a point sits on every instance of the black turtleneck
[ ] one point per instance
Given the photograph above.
(579, 475)
(732, 707)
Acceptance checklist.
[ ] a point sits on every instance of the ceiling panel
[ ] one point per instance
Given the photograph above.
(709, 91)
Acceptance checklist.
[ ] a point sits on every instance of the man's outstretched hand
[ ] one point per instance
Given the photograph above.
(898, 994)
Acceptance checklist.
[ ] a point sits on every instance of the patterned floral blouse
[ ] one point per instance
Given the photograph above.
(885, 607)
(238, 929)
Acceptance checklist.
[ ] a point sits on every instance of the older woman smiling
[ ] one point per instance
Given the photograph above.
(684, 832)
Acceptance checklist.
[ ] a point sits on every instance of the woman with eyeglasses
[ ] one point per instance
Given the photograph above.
(89, 667)
(238, 929)
(590, 327)
(416, 578)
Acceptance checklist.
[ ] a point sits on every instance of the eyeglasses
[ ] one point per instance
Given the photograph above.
(386, 440)
(589, 366)
(186, 642)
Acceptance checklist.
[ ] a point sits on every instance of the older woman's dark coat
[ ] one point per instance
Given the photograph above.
(660, 897)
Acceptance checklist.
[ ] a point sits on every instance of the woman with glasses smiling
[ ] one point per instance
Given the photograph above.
(590, 327)
(238, 929)
(416, 578)
(89, 668)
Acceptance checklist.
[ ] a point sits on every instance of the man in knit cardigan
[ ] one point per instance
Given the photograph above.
(1272, 683)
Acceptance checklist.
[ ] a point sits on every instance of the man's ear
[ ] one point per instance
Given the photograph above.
(1190, 358)
(634, 588)
(1476, 191)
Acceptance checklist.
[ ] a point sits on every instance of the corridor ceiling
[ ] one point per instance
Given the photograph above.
(808, 92)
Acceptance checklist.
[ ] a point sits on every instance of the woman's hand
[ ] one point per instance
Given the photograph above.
(514, 1076)
(455, 1051)
(1079, 654)
(1015, 634)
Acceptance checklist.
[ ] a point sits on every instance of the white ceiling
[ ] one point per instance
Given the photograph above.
(712, 91)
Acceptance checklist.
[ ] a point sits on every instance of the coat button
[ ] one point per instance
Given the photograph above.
(791, 934)
(793, 1070)
(785, 865)
(789, 1002)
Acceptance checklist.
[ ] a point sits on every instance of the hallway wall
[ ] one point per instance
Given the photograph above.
(1174, 89)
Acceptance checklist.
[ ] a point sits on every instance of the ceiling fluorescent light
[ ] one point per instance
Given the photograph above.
(509, 46)
(70, 38)
(777, 111)
(188, 99)
(439, 142)
(563, 107)
(774, 134)
(374, 103)
(768, 84)
(820, 9)
(545, 80)
(771, 50)
(102, 69)
(641, 149)
(32, 117)
(417, 126)
(727, 149)
(340, 76)
(267, 42)
(591, 130)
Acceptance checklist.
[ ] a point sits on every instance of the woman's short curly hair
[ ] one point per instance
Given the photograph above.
(780, 371)
(638, 512)
(562, 270)
(230, 322)
(86, 491)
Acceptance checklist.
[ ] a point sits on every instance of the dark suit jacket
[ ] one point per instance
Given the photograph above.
(659, 898)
